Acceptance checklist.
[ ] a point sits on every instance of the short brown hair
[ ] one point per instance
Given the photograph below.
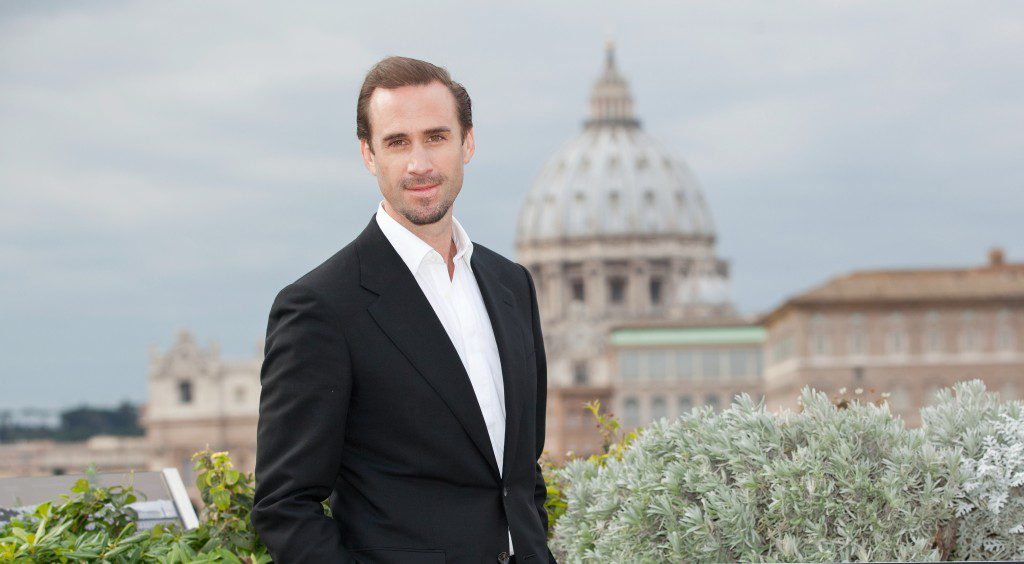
(395, 72)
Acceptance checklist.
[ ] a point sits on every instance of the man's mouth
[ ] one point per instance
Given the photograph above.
(424, 188)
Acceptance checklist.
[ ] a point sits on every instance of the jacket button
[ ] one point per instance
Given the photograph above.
(506, 491)
(503, 558)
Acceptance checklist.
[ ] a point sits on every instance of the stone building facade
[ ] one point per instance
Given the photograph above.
(903, 332)
(48, 457)
(198, 399)
(666, 371)
(614, 230)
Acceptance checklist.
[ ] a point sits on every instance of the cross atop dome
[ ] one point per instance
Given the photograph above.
(611, 103)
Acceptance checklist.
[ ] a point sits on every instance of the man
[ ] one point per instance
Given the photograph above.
(405, 377)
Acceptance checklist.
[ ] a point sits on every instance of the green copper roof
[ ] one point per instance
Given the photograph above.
(688, 336)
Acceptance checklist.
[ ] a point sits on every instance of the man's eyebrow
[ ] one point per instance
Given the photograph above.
(392, 136)
(437, 130)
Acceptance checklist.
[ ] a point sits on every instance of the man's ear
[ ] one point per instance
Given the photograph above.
(368, 158)
(468, 146)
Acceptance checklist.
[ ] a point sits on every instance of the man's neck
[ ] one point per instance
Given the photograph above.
(438, 234)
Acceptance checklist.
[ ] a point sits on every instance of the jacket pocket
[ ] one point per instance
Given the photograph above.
(398, 556)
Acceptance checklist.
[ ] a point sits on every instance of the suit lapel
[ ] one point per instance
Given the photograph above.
(406, 317)
(500, 304)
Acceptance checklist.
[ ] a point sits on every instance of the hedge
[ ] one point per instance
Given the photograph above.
(834, 481)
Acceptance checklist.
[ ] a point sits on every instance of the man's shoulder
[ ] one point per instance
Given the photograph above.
(507, 269)
(493, 257)
(336, 272)
(340, 272)
(333, 284)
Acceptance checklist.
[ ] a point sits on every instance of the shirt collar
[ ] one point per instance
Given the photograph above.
(414, 250)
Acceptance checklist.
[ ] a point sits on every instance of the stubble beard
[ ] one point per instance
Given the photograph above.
(431, 213)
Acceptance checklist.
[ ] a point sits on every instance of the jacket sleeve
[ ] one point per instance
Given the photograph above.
(540, 490)
(306, 382)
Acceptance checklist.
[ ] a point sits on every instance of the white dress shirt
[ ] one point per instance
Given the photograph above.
(460, 308)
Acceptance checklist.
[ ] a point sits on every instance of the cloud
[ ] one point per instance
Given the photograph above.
(170, 164)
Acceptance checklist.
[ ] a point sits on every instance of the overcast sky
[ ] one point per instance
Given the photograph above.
(172, 165)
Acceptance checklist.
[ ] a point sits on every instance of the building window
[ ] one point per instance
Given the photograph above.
(782, 350)
(655, 291)
(240, 394)
(577, 289)
(858, 373)
(969, 341)
(629, 365)
(710, 364)
(932, 333)
(684, 364)
(739, 364)
(819, 335)
(933, 341)
(631, 412)
(896, 341)
(617, 290)
(657, 363)
(857, 339)
(659, 409)
(819, 344)
(1004, 337)
(685, 404)
(857, 342)
(713, 402)
(579, 373)
(184, 391)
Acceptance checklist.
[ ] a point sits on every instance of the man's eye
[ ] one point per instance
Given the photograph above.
(396, 142)
(436, 138)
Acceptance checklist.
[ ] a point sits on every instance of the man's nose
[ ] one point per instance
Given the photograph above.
(419, 160)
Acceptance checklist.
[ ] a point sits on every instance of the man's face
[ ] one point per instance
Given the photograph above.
(417, 150)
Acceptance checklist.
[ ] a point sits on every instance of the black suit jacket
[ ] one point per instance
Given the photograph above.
(366, 401)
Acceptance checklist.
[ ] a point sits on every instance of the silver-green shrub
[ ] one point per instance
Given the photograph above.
(989, 437)
(822, 484)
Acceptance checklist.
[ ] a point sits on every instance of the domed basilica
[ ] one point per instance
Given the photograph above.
(615, 231)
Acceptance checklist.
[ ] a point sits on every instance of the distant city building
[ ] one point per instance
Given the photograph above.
(664, 372)
(904, 332)
(198, 399)
(48, 457)
(614, 230)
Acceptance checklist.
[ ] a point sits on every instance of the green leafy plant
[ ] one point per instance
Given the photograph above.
(94, 523)
(613, 444)
(228, 499)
